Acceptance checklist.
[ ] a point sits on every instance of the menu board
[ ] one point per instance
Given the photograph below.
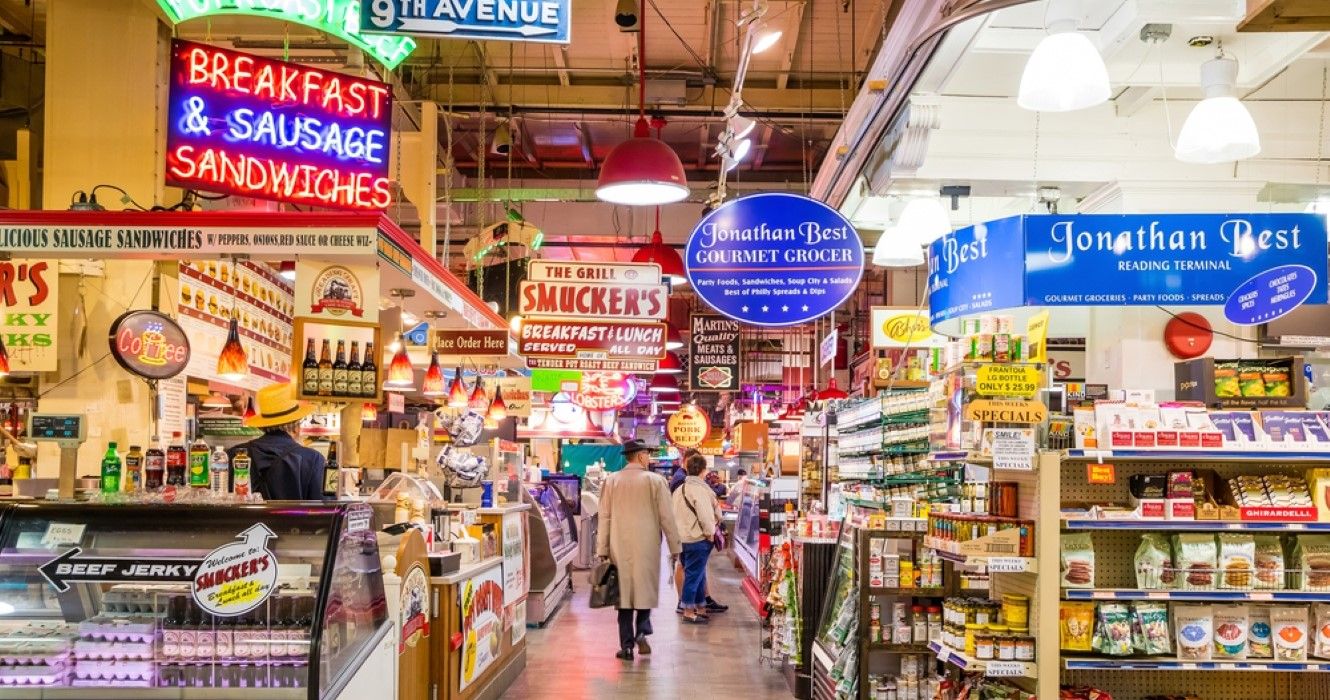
(262, 302)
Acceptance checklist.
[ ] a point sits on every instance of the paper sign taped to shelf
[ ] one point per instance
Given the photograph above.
(237, 576)
(1023, 411)
(1013, 448)
(1100, 474)
(63, 533)
(1005, 669)
(1008, 565)
(1020, 381)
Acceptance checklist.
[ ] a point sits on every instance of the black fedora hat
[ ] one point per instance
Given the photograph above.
(634, 446)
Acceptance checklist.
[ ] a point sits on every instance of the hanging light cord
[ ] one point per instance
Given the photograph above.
(642, 66)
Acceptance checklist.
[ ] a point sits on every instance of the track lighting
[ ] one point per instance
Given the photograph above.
(732, 150)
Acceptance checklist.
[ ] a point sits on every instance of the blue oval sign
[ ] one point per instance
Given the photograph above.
(774, 259)
(1270, 294)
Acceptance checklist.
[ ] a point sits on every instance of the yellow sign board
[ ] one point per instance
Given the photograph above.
(688, 427)
(1021, 381)
(1036, 337)
(1022, 411)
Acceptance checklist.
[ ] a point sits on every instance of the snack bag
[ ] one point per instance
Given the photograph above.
(1226, 380)
(1230, 631)
(1150, 633)
(1258, 633)
(1077, 560)
(1076, 625)
(1321, 637)
(1276, 381)
(1251, 381)
(1237, 561)
(1196, 557)
(1269, 563)
(1154, 562)
(1112, 634)
(1288, 630)
(1195, 626)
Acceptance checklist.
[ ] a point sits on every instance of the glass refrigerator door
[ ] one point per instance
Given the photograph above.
(281, 598)
(555, 523)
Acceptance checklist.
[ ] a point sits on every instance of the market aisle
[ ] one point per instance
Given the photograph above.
(574, 656)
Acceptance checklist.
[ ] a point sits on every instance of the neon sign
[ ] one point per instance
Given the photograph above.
(149, 344)
(253, 126)
(340, 18)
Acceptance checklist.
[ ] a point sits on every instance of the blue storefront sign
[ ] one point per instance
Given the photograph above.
(774, 259)
(1271, 294)
(975, 269)
(1124, 260)
(548, 21)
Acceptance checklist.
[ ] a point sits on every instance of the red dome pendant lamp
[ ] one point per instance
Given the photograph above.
(671, 264)
(642, 171)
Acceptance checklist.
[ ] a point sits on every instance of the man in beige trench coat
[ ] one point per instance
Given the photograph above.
(635, 511)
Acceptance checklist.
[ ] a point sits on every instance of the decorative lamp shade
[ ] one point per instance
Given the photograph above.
(498, 409)
(433, 383)
(832, 392)
(896, 250)
(369, 413)
(642, 171)
(924, 219)
(401, 376)
(249, 408)
(670, 364)
(1065, 73)
(232, 363)
(478, 400)
(1219, 128)
(671, 265)
(4, 359)
(457, 396)
(663, 384)
(673, 341)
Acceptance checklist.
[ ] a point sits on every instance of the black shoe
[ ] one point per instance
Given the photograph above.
(625, 654)
(714, 607)
(678, 609)
(643, 646)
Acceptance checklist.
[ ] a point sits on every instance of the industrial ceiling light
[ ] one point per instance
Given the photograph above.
(895, 249)
(1219, 128)
(673, 341)
(1065, 72)
(741, 126)
(764, 36)
(503, 138)
(433, 383)
(663, 384)
(232, 363)
(832, 392)
(670, 364)
(671, 264)
(732, 149)
(924, 219)
(642, 171)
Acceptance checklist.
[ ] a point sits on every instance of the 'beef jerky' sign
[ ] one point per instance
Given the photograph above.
(713, 351)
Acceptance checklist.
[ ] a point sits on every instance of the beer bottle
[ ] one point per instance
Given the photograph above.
(309, 376)
(339, 370)
(369, 372)
(353, 370)
(325, 369)
(332, 473)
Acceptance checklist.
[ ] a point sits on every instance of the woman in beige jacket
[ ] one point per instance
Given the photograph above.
(698, 515)
(634, 514)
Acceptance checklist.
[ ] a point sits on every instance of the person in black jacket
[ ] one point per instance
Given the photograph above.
(281, 468)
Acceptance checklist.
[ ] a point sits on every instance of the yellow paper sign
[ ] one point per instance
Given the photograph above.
(1022, 411)
(1020, 381)
(1036, 337)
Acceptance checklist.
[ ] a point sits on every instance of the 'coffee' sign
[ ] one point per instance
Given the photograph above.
(470, 342)
(149, 344)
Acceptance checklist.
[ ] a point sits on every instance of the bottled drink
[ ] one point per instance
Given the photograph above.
(309, 375)
(205, 639)
(240, 472)
(218, 465)
(369, 373)
(111, 470)
(297, 644)
(189, 630)
(171, 624)
(283, 623)
(198, 464)
(353, 371)
(325, 369)
(223, 639)
(332, 473)
(177, 461)
(339, 370)
(133, 475)
(154, 467)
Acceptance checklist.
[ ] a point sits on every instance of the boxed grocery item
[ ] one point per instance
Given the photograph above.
(1318, 482)
(1083, 424)
(1116, 424)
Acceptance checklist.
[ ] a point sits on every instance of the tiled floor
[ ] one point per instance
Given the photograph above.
(573, 657)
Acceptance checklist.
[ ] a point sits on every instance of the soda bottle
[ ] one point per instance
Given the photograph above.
(133, 476)
(154, 467)
(198, 464)
(218, 466)
(111, 470)
(177, 460)
(240, 472)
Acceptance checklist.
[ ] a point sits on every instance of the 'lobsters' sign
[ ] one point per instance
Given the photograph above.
(248, 125)
(774, 259)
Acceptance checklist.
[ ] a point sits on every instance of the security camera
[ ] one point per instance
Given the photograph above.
(626, 15)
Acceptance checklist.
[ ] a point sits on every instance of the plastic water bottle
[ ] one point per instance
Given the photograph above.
(218, 465)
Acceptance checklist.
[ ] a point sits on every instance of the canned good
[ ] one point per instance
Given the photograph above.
(1016, 609)
(1006, 648)
(1025, 648)
(983, 646)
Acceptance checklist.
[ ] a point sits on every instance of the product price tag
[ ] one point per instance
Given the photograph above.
(1100, 474)
(1005, 669)
(62, 533)
(1008, 565)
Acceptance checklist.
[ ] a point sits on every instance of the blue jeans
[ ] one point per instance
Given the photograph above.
(695, 556)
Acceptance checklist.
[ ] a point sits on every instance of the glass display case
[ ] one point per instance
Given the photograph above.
(746, 501)
(184, 600)
(553, 548)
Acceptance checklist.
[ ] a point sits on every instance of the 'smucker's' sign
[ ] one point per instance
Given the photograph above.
(593, 290)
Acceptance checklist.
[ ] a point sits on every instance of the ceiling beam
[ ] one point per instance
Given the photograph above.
(584, 140)
(19, 20)
(561, 62)
(797, 20)
(537, 97)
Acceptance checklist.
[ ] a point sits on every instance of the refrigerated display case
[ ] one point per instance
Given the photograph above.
(180, 601)
(746, 501)
(553, 546)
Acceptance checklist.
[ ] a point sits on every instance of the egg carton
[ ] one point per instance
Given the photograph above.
(119, 629)
(95, 649)
(102, 683)
(38, 675)
(114, 670)
(55, 665)
(35, 657)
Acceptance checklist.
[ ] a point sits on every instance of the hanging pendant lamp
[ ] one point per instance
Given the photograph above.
(673, 341)
(498, 409)
(4, 359)
(832, 392)
(433, 383)
(457, 396)
(232, 363)
(671, 265)
(895, 249)
(249, 408)
(401, 376)
(1065, 72)
(670, 364)
(1219, 128)
(642, 171)
(478, 400)
(663, 384)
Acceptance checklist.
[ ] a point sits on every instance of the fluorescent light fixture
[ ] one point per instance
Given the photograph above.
(925, 219)
(1065, 72)
(1219, 128)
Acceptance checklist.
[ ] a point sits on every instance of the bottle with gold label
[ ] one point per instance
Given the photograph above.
(339, 370)
(325, 369)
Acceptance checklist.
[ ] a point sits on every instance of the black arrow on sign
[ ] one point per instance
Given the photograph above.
(69, 567)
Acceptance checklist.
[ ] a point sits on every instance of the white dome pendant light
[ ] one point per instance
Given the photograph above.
(1065, 73)
(897, 249)
(925, 219)
(1219, 128)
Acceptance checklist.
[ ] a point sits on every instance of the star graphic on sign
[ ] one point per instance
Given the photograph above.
(765, 308)
(743, 309)
(805, 308)
(785, 308)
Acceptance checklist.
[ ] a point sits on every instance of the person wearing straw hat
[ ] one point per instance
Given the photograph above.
(281, 469)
